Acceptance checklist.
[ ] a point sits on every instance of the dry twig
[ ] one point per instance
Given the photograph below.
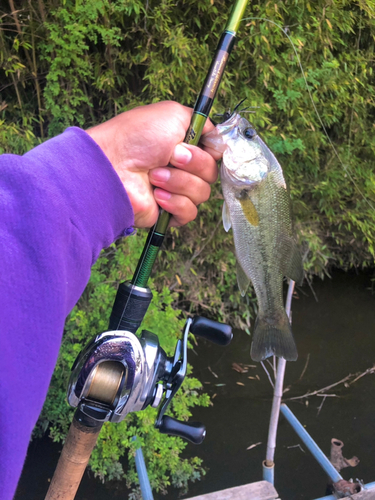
(213, 373)
(296, 446)
(253, 445)
(268, 375)
(321, 405)
(305, 367)
(345, 381)
(367, 372)
(314, 393)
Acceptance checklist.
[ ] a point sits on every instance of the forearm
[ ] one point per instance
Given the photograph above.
(60, 204)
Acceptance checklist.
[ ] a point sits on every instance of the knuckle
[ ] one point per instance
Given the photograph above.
(207, 167)
(174, 106)
(207, 193)
(215, 174)
(193, 213)
(187, 214)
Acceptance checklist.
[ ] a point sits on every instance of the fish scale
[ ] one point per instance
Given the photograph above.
(257, 208)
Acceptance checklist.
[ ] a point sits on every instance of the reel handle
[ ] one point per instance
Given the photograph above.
(194, 432)
(218, 333)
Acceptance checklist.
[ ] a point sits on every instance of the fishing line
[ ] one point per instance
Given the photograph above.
(346, 169)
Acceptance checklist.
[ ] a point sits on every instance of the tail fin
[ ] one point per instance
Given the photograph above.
(273, 338)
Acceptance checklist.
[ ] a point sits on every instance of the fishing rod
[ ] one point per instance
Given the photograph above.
(124, 314)
(119, 372)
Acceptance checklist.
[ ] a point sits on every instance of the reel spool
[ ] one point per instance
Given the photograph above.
(106, 380)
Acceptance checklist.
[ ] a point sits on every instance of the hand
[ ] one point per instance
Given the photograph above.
(141, 143)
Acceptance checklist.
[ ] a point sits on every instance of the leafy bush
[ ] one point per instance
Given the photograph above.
(83, 61)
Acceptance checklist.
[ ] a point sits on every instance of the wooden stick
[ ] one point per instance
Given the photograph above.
(74, 458)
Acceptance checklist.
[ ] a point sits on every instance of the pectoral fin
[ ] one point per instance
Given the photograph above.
(242, 280)
(291, 260)
(249, 209)
(226, 217)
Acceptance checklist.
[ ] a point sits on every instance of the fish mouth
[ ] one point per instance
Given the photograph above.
(214, 140)
(243, 172)
(231, 126)
(236, 179)
(222, 134)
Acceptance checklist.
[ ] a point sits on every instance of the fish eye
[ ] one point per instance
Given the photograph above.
(249, 133)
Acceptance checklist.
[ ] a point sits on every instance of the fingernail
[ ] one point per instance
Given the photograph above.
(182, 154)
(162, 195)
(160, 174)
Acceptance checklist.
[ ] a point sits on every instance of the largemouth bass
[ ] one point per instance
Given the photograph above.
(257, 208)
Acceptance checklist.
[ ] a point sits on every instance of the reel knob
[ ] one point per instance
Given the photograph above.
(218, 333)
(195, 432)
(174, 371)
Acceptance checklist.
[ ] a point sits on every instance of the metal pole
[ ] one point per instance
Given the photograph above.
(269, 464)
(142, 474)
(268, 472)
(367, 493)
(311, 445)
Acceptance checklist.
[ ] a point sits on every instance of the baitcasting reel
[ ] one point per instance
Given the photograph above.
(118, 373)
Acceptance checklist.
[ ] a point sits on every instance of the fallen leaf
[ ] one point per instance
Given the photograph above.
(238, 368)
(253, 445)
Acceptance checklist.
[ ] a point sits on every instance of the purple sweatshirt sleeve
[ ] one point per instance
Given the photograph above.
(60, 205)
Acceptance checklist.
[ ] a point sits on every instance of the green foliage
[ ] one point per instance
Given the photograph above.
(83, 61)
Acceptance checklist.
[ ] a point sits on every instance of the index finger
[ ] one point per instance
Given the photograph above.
(217, 155)
(199, 162)
(208, 126)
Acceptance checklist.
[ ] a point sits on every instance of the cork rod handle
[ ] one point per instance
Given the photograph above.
(74, 458)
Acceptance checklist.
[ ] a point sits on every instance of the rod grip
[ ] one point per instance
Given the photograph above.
(74, 458)
(130, 307)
